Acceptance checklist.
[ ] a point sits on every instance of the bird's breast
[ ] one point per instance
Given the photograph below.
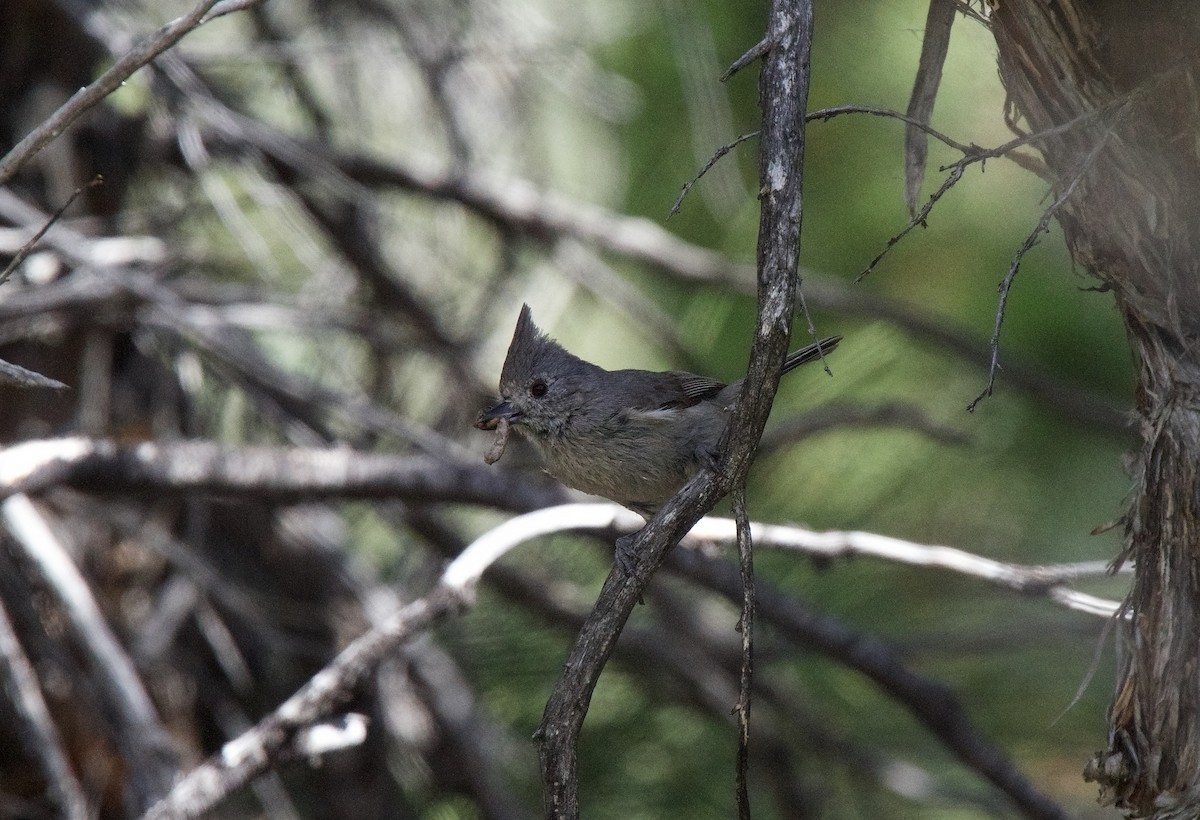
(636, 458)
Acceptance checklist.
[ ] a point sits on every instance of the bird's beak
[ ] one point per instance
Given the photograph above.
(488, 419)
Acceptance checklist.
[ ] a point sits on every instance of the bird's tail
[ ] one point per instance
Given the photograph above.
(810, 353)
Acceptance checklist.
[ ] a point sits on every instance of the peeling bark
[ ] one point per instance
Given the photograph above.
(1125, 75)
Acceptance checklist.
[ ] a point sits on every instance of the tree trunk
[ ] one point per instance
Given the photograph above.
(1119, 80)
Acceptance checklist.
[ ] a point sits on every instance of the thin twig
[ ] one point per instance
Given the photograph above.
(87, 97)
(28, 247)
(971, 154)
(956, 174)
(756, 51)
(825, 114)
(143, 738)
(746, 676)
(1043, 226)
(716, 157)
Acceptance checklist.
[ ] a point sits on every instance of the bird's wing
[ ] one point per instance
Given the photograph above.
(698, 388)
(643, 390)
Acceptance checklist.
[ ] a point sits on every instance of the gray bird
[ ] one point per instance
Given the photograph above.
(633, 436)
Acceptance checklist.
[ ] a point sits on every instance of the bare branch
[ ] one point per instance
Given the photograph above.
(45, 741)
(20, 377)
(1044, 581)
(1043, 226)
(716, 157)
(746, 675)
(464, 572)
(934, 47)
(108, 82)
(139, 732)
(259, 749)
(1039, 581)
(932, 703)
(279, 474)
(25, 249)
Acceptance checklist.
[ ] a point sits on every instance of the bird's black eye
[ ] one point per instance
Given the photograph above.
(537, 389)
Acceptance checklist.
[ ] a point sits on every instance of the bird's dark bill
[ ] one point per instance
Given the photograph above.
(488, 419)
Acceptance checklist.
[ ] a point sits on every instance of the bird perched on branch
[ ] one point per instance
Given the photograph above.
(633, 436)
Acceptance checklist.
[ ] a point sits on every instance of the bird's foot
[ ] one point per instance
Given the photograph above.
(710, 460)
(624, 555)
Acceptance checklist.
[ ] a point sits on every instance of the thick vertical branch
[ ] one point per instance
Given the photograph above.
(783, 92)
(784, 95)
(1134, 221)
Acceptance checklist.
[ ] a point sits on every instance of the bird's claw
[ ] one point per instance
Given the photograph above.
(710, 461)
(624, 555)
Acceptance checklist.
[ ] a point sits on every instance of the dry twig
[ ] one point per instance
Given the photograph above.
(108, 82)
(746, 674)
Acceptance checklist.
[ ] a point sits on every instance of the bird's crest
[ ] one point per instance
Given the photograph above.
(531, 351)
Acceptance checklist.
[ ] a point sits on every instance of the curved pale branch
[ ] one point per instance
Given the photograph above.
(1048, 581)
